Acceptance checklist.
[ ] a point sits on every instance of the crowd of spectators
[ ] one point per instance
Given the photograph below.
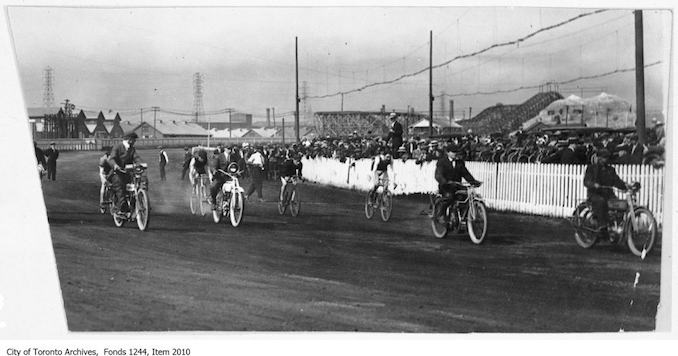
(556, 147)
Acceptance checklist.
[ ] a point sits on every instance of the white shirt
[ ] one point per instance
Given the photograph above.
(166, 158)
(256, 159)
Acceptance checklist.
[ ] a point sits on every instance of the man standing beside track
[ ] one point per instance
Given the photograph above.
(256, 161)
(395, 134)
(162, 162)
(52, 154)
(187, 161)
(122, 154)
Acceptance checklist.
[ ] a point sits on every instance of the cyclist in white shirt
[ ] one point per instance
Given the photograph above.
(256, 161)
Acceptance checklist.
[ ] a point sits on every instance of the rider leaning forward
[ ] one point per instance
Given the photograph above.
(220, 161)
(380, 164)
(122, 154)
(291, 167)
(600, 176)
(451, 169)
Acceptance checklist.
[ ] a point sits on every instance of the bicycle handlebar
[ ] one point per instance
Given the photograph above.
(463, 185)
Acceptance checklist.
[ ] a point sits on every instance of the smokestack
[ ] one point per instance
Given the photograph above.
(268, 117)
(452, 110)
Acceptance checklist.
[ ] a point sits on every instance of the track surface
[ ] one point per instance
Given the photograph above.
(329, 269)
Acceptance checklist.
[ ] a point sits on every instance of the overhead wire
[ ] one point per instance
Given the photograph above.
(472, 54)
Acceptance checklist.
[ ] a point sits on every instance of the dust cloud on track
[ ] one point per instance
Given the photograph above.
(329, 269)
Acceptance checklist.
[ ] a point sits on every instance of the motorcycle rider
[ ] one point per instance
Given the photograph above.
(122, 154)
(598, 179)
(451, 169)
(221, 159)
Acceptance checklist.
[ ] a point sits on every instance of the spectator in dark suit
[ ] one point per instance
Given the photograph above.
(395, 134)
(187, 162)
(52, 155)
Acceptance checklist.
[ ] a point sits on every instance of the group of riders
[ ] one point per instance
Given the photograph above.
(214, 168)
(599, 177)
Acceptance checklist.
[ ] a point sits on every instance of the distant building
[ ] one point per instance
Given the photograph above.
(237, 121)
(165, 129)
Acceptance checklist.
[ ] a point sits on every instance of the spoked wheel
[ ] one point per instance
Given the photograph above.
(386, 205)
(118, 220)
(369, 206)
(204, 203)
(438, 224)
(295, 203)
(282, 205)
(477, 222)
(218, 205)
(106, 204)
(142, 210)
(195, 199)
(237, 208)
(641, 238)
(583, 226)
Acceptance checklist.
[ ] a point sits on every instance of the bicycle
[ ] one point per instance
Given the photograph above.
(290, 196)
(628, 222)
(230, 199)
(107, 202)
(199, 194)
(469, 211)
(381, 198)
(135, 205)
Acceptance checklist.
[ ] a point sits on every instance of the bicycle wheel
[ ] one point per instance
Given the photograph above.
(236, 209)
(641, 238)
(439, 226)
(218, 206)
(282, 205)
(118, 220)
(369, 206)
(202, 198)
(386, 206)
(142, 210)
(194, 200)
(295, 203)
(477, 222)
(105, 205)
(583, 224)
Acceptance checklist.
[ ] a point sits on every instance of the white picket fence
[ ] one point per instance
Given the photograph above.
(540, 189)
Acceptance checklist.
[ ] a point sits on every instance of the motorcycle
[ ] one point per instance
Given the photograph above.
(135, 205)
(470, 213)
(230, 199)
(629, 223)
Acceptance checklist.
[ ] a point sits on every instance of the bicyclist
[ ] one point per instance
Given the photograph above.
(291, 167)
(122, 154)
(451, 169)
(222, 158)
(198, 166)
(104, 171)
(380, 164)
(598, 179)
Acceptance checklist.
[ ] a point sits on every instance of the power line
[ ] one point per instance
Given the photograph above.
(594, 76)
(473, 54)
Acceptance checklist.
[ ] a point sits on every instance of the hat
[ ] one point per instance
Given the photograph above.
(402, 149)
(130, 136)
(433, 143)
(160, 147)
(452, 148)
(392, 115)
(52, 143)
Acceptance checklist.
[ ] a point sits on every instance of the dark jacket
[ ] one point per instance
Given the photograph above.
(121, 156)
(40, 156)
(447, 170)
(604, 175)
(52, 155)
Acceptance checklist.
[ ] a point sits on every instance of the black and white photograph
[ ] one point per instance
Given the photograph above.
(349, 169)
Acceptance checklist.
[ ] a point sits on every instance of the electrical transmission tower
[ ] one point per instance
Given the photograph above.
(198, 80)
(48, 87)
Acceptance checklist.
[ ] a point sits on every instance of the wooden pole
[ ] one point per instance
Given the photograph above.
(640, 78)
(430, 84)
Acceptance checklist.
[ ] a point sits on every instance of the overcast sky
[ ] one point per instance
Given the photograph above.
(127, 58)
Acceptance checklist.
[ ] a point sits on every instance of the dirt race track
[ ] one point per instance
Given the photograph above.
(329, 269)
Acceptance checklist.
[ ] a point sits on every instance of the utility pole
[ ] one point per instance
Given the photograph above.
(155, 111)
(640, 78)
(342, 102)
(296, 100)
(283, 130)
(273, 114)
(141, 114)
(230, 125)
(430, 84)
